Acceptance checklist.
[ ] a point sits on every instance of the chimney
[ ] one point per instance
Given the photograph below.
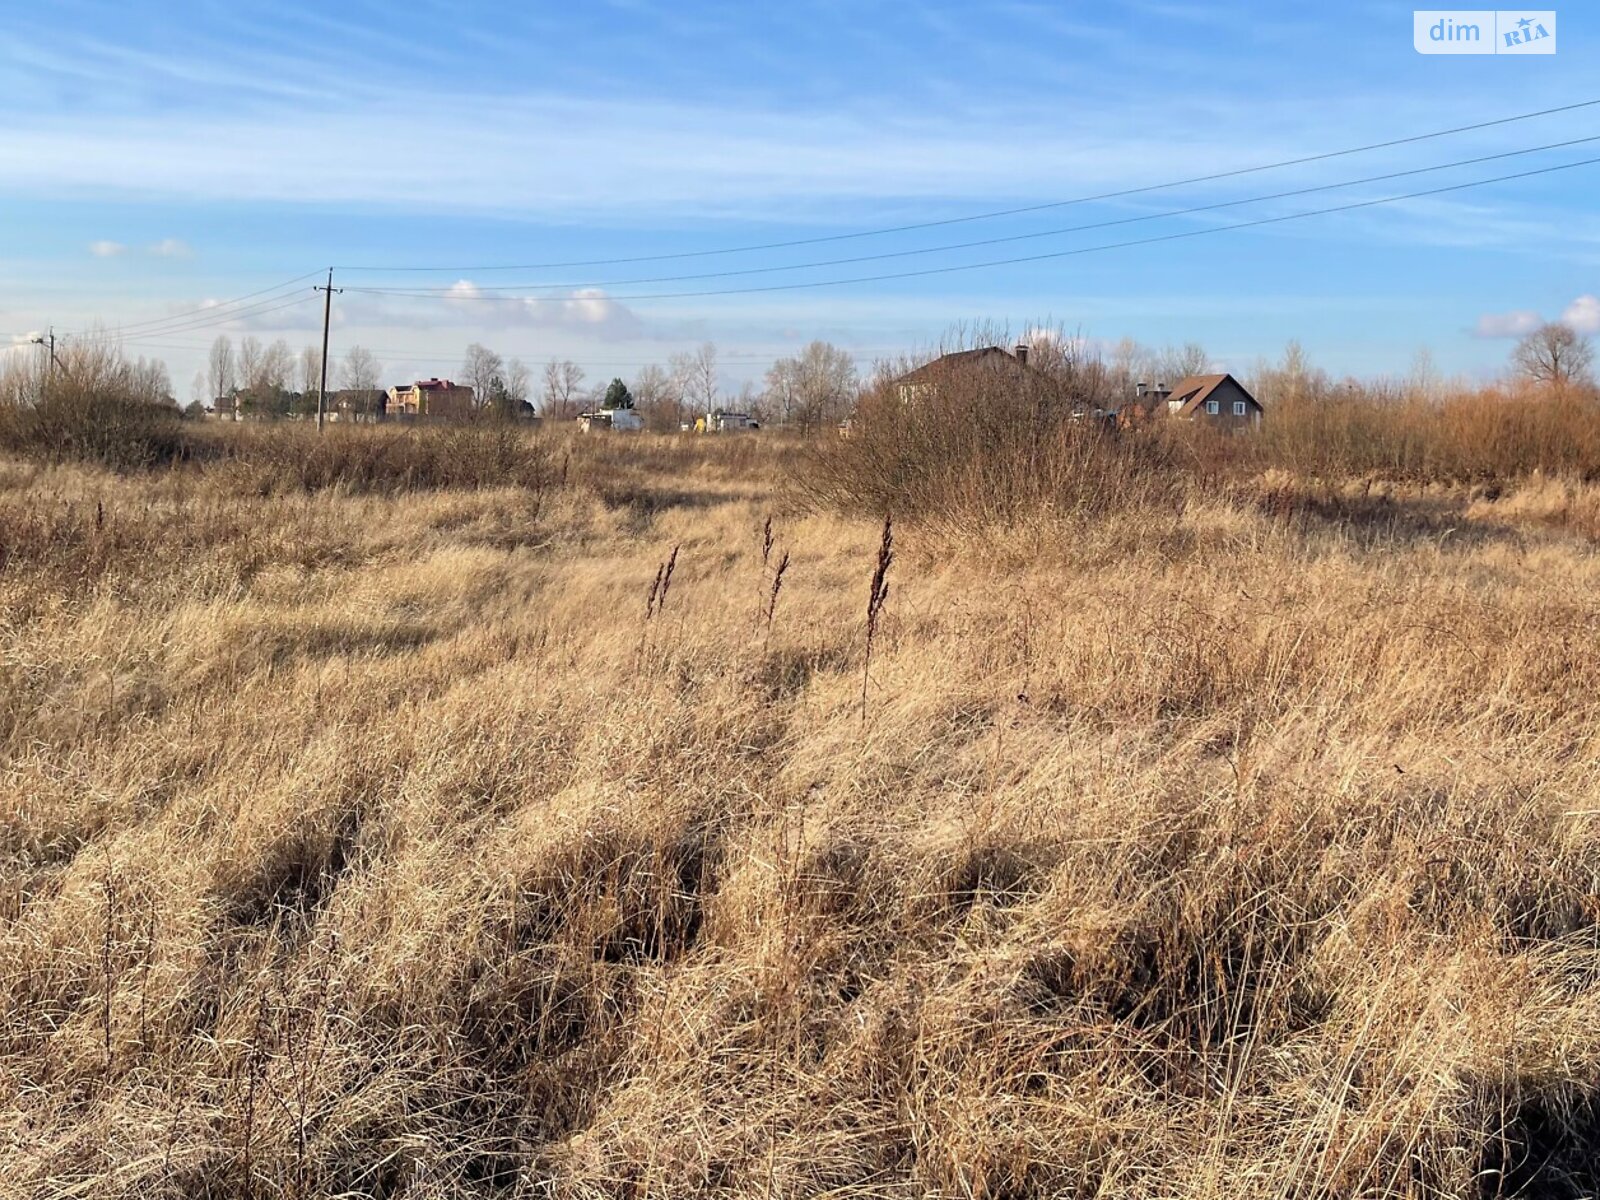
(1140, 389)
(1022, 353)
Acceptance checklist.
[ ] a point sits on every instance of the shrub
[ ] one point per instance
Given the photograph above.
(72, 422)
(986, 447)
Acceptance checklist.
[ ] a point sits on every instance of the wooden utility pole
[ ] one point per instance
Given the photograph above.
(327, 314)
(51, 342)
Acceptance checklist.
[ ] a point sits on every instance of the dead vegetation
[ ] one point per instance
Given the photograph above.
(377, 828)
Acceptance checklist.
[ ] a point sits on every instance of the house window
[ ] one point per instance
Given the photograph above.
(1238, 408)
(1212, 407)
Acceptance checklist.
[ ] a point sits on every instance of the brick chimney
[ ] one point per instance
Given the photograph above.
(1022, 353)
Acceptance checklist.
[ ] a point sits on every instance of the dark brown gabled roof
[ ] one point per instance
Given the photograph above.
(1196, 390)
(990, 357)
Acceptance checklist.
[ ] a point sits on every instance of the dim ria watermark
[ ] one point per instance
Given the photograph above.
(1484, 31)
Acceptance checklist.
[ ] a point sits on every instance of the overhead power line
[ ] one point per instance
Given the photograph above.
(998, 213)
(739, 358)
(261, 309)
(1006, 262)
(208, 310)
(1021, 237)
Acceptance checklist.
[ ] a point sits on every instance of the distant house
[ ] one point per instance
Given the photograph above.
(430, 399)
(992, 371)
(1219, 399)
(967, 365)
(725, 422)
(358, 404)
(625, 419)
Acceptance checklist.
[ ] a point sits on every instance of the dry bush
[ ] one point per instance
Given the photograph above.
(93, 419)
(1493, 434)
(987, 445)
(380, 460)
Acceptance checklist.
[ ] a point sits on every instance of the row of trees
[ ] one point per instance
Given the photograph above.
(91, 364)
(820, 385)
(273, 379)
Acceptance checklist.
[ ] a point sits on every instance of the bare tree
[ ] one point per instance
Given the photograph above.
(484, 372)
(219, 368)
(562, 379)
(1292, 380)
(656, 396)
(360, 371)
(1555, 354)
(1128, 366)
(147, 381)
(1174, 364)
(277, 365)
(250, 353)
(814, 389)
(519, 382)
(310, 370)
(695, 375)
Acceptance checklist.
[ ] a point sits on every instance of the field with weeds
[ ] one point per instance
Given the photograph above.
(528, 819)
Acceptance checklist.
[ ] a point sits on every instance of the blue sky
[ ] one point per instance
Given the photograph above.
(157, 158)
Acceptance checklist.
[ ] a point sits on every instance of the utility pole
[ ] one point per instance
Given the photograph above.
(327, 314)
(51, 342)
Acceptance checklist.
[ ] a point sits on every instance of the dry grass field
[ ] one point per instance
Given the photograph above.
(438, 841)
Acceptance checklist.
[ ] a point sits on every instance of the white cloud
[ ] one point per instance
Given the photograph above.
(583, 310)
(1583, 314)
(171, 248)
(1507, 325)
(106, 249)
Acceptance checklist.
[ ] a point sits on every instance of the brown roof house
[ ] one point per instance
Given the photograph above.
(993, 374)
(1219, 400)
(984, 363)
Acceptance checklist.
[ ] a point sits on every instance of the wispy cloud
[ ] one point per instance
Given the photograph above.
(1583, 315)
(172, 248)
(660, 162)
(105, 249)
(589, 313)
(1508, 324)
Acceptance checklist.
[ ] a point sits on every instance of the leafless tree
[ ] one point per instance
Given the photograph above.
(1291, 380)
(814, 389)
(250, 353)
(1128, 366)
(147, 381)
(519, 382)
(277, 366)
(360, 371)
(562, 380)
(219, 368)
(310, 370)
(484, 372)
(695, 375)
(1555, 354)
(656, 396)
(1174, 364)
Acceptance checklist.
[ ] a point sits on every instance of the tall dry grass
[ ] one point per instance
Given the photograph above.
(355, 841)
